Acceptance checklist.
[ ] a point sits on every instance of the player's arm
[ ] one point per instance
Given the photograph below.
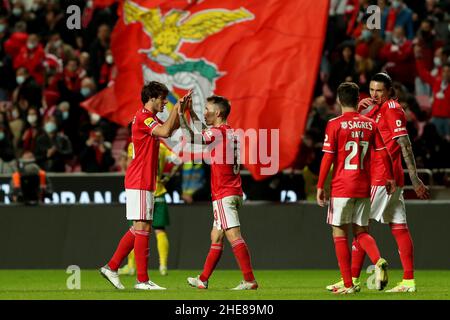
(329, 147)
(408, 155)
(196, 119)
(165, 130)
(325, 166)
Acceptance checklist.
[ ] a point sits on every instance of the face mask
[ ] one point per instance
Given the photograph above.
(15, 114)
(85, 91)
(50, 127)
(396, 40)
(31, 45)
(17, 12)
(2, 28)
(65, 115)
(437, 61)
(95, 118)
(366, 34)
(2, 135)
(57, 44)
(395, 4)
(32, 118)
(109, 59)
(20, 79)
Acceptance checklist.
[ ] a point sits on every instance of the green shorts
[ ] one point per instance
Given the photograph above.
(160, 214)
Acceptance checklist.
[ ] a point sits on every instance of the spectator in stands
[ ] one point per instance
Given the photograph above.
(431, 149)
(53, 148)
(6, 69)
(32, 57)
(68, 83)
(96, 121)
(7, 156)
(370, 42)
(18, 12)
(16, 125)
(344, 68)
(58, 48)
(17, 40)
(97, 52)
(441, 57)
(108, 70)
(88, 88)
(96, 155)
(440, 108)
(398, 58)
(27, 89)
(399, 16)
(32, 131)
(84, 64)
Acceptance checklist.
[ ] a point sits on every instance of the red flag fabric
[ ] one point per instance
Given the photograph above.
(262, 55)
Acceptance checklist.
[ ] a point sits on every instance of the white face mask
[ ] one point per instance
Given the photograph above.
(17, 11)
(31, 45)
(20, 79)
(437, 61)
(109, 59)
(15, 114)
(32, 118)
(95, 117)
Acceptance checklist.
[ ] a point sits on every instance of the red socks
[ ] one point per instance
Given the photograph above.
(405, 248)
(358, 255)
(141, 250)
(242, 255)
(369, 245)
(343, 257)
(125, 246)
(215, 252)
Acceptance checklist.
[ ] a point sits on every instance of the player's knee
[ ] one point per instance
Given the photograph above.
(216, 237)
(233, 234)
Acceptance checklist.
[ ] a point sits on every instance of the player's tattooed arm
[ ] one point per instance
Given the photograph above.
(197, 120)
(408, 155)
(193, 138)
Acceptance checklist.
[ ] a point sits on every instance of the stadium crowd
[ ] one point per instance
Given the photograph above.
(413, 47)
(46, 71)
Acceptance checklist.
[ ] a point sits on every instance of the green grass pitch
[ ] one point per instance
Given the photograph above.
(274, 284)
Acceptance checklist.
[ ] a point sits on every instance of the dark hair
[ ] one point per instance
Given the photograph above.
(153, 89)
(387, 82)
(383, 77)
(348, 94)
(222, 103)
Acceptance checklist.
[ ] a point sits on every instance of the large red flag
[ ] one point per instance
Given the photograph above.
(262, 55)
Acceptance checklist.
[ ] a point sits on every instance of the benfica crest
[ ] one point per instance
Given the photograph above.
(165, 63)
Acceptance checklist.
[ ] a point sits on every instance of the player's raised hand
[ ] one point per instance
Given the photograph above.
(364, 104)
(390, 186)
(321, 197)
(184, 101)
(421, 190)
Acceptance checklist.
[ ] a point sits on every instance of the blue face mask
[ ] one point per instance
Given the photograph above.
(50, 127)
(366, 34)
(65, 115)
(2, 135)
(2, 27)
(85, 92)
(395, 4)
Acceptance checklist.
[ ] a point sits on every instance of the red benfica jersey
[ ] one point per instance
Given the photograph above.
(351, 137)
(391, 122)
(142, 171)
(224, 157)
